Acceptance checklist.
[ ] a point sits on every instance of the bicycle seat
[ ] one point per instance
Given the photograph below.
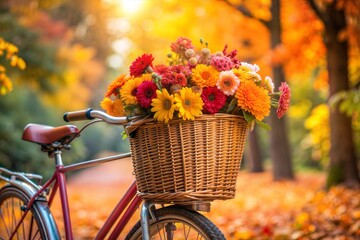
(45, 135)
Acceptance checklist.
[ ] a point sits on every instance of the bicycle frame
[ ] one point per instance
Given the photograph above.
(128, 203)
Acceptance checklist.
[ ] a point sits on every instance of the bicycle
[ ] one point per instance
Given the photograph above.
(25, 202)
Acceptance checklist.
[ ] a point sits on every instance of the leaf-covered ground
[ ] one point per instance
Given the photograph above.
(262, 209)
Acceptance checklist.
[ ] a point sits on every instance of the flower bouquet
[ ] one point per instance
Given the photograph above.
(200, 107)
(193, 83)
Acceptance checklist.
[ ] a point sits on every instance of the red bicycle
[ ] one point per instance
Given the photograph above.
(25, 202)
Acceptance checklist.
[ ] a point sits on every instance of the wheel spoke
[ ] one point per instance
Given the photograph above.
(31, 228)
(11, 213)
(174, 223)
(3, 218)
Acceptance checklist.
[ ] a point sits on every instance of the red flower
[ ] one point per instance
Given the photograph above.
(232, 56)
(145, 93)
(140, 64)
(213, 99)
(284, 100)
(171, 75)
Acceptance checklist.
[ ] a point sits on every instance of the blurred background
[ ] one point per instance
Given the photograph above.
(60, 55)
(73, 49)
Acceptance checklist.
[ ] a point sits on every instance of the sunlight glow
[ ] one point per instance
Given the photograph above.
(131, 6)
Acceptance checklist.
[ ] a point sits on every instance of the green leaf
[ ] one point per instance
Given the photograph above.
(232, 105)
(263, 125)
(124, 135)
(248, 117)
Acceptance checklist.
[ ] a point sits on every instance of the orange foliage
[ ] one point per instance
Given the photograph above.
(81, 78)
(262, 209)
(302, 37)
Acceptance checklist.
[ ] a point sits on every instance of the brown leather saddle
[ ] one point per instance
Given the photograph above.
(46, 135)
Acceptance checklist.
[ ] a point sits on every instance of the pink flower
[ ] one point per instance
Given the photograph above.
(181, 45)
(140, 64)
(222, 63)
(284, 100)
(213, 99)
(228, 82)
(145, 93)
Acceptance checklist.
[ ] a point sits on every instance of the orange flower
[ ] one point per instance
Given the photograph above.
(115, 86)
(253, 99)
(114, 108)
(204, 75)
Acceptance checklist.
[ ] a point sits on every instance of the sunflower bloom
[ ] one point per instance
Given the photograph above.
(146, 77)
(253, 99)
(114, 108)
(228, 82)
(129, 90)
(205, 76)
(188, 103)
(163, 106)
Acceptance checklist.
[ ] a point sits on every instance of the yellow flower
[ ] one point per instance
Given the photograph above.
(188, 103)
(129, 89)
(244, 75)
(163, 106)
(114, 108)
(5, 84)
(205, 76)
(268, 84)
(146, 77)
(253, 99)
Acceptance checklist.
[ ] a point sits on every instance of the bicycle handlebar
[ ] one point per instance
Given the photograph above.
(78, 115)
(90, 114)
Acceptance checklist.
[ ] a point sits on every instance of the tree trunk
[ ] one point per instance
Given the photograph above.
(279, 144)
(343, 165)
(255, 158)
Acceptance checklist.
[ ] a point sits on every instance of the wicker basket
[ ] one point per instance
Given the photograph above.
(186, 161)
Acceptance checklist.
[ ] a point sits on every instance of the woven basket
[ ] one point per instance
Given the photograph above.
(186, 161)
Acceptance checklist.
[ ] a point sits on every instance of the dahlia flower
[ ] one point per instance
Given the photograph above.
(140, 64)
(284, 100)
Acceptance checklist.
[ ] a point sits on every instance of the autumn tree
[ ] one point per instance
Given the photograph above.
(61, 74)
(279, 145)
(335, 16)
(8, 54)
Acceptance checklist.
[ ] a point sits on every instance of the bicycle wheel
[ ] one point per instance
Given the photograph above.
(178, 223)
(38, 223)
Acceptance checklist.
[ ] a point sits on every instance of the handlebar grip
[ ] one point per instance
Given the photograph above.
(78, 115)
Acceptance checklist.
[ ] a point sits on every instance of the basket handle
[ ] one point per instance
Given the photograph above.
(132, 126)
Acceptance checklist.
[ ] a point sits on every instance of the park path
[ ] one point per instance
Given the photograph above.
(107, 174)
(259, 205)
(93, 193)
